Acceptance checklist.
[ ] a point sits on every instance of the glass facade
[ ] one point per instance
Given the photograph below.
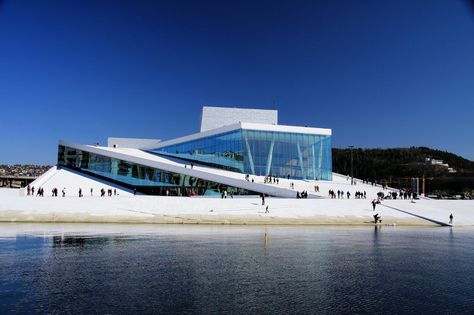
(145, 179)
(221, 151)
(302, 156)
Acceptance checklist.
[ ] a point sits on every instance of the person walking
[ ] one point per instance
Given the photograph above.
(451, 218)
(377, 218)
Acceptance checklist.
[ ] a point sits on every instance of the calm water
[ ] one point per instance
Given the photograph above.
(124, 269)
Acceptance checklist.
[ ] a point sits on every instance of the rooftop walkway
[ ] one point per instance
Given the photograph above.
(282, 189)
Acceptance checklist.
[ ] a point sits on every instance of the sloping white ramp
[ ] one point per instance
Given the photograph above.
(72, 181)
(176, 166)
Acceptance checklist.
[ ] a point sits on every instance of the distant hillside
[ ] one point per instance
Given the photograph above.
(397, 165)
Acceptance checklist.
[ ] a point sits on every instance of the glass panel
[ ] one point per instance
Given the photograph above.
(247, 151)
(222, 151)
(145, 179)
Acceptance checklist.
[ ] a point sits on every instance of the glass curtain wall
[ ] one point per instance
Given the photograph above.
(302, 156)
(223, 151)
(145, 179)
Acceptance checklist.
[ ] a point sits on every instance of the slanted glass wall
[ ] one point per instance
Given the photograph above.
(222, 151)
(302, 156)
(145, 179)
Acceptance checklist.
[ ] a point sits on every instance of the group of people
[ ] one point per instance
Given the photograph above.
(54, 192)
(340, 194)
(269, 179)
(360, 195)
(406, 194)
(30, 191)
(224, 194)
(102, 192)
(402, 194)
(302, 195)
(247, 178)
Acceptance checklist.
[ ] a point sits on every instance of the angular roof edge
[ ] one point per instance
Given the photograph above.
(247, 126)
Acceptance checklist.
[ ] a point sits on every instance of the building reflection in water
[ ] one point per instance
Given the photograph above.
(83, 241)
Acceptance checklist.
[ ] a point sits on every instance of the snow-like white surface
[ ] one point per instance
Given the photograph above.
(215, 210)
(137, 143)
(72, 181)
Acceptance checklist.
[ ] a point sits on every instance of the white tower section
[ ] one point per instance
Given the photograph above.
(215, 117)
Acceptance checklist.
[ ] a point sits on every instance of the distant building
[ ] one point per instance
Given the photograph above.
(434, 162)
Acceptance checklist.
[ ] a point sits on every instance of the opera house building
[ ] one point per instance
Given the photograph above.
(232, 146)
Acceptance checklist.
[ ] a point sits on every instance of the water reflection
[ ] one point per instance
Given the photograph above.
(265, 240)
(376, 229)
(169, 270)
(83, 241)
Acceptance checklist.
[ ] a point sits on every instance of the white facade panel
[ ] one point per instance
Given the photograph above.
(248, 126)
(215, 117)
(285, 128)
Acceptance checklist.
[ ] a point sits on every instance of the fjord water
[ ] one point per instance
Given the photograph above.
(123, 269)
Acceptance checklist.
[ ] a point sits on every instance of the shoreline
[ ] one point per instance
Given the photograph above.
(199, 219)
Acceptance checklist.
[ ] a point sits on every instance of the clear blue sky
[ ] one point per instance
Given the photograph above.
(379, 73)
